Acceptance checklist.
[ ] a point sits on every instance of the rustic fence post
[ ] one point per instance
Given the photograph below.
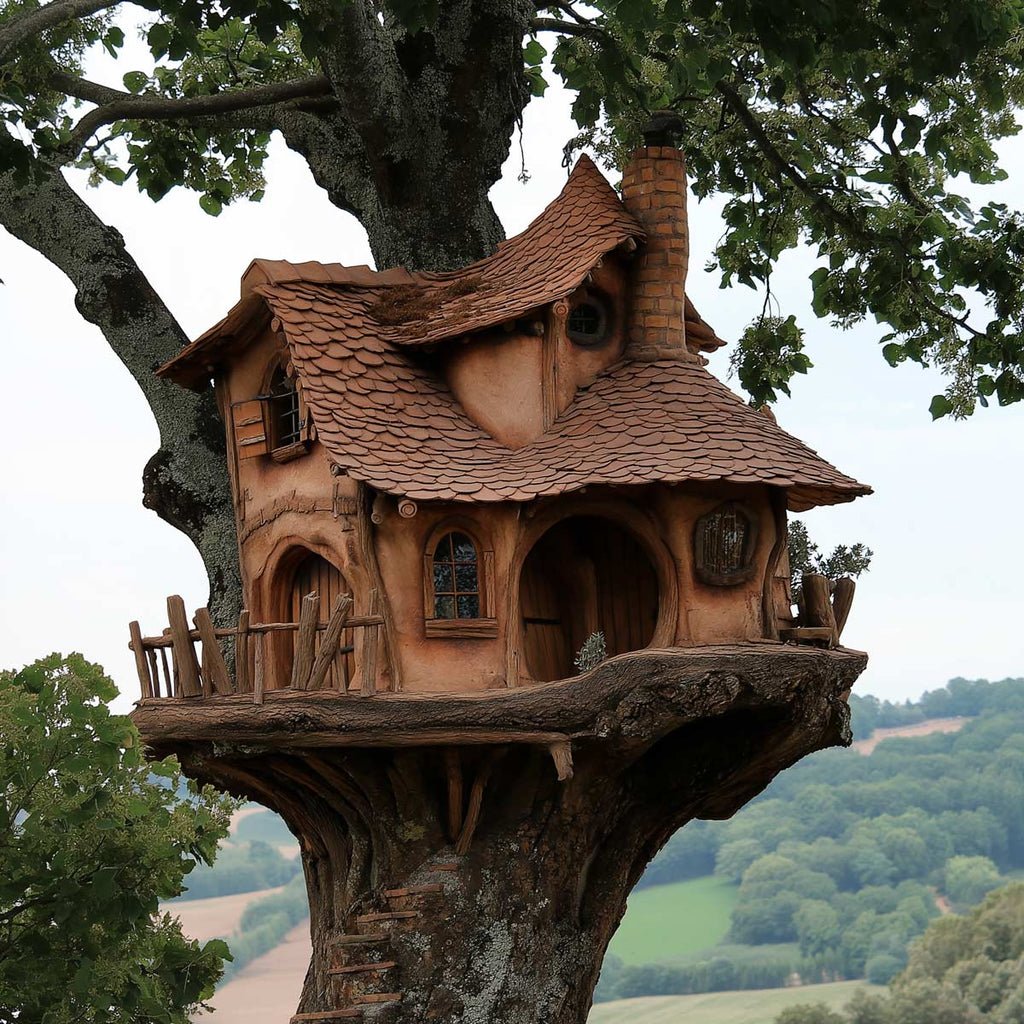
(257, 688)
(213, 657)
(842, 602)
(184, 653)
(242, 652)
(370, 634)
(305, 642)
(818, 602)
(140, 660)
(329, 644)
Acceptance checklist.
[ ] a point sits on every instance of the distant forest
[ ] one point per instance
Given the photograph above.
(850, 856)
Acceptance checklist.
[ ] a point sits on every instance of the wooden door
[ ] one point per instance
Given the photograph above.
(585, 575)
(316, 575)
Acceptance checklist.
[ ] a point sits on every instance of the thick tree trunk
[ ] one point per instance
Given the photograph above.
(468, 884)
(421, 126)
(186, 482)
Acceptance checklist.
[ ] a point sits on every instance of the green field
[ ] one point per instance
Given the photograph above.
(669, 921)
(758, 1006)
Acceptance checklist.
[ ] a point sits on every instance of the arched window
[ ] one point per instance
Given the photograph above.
(456, 570)
(587, 322)
(724, 545)
(458, 586)
(284, 421)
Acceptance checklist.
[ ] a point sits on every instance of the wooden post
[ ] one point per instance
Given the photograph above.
(453, 769)
(140, 660)
(242, 652)
(769, 613)
(370, 651)
(818, 603)
(184, 652)
(154, 673)
(213, 658)
(173, 689)
(305, 642)
(842, 602)
(257, 687)
(561, 754)
(329, 643)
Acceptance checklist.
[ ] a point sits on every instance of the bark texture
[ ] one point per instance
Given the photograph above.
(186, 480)
(421, 125)
(507, 921)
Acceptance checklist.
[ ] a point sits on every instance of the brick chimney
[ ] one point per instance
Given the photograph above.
(654, 191)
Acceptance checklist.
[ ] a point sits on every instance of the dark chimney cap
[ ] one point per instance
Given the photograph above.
(664, 128)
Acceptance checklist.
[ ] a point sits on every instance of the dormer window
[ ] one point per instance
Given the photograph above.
(457, 586)
(587, 322)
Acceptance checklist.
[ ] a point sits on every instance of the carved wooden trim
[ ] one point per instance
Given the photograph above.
(289, 451)
(461, 629)
(768, 611)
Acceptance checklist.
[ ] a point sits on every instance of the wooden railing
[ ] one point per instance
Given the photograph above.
(188, 673)
(824, 609)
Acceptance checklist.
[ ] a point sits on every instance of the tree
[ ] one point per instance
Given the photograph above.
(91, 838)
(969, 879)
(816, 1013)
(842, 126)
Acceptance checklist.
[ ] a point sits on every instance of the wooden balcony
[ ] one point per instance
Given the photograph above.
(186, 662)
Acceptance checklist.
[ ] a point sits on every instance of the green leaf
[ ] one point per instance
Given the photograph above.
(135, 81)
(211, 204)
(534, 53)
(940, 406)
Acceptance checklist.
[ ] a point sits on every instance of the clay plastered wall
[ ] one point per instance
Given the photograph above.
(514, 384)
(715, 614)
(281, 503)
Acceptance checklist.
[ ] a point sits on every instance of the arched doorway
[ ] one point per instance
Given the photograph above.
(311, 573)
(585, 574)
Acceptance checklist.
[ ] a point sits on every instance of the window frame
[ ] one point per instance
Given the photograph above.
(485, 626)
(748, 569)
(298, 447)
(602, 335)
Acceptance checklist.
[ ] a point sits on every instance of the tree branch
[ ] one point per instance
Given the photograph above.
(569, 28)
(128, 107)
(36, 21)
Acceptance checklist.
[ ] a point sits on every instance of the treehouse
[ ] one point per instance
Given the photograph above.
(489, 522)
(480, 470)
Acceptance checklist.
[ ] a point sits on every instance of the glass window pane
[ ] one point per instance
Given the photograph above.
(464, 550)
(442, 578)
(444, 607)
(443, 551)
(465, 578)
(469, 606)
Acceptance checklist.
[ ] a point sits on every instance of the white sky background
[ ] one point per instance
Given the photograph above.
(80, 557)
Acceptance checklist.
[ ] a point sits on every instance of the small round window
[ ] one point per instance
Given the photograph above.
(587, 323)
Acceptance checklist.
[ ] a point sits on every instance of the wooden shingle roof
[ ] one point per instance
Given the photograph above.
(386, 416)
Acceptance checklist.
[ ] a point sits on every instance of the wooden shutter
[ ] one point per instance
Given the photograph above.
(250, 425)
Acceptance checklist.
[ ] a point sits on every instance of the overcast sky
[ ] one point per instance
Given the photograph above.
(81, 557)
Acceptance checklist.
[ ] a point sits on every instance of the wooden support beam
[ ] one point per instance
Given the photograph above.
(242, 681)
(330, 642)
(184, 653)
(805, 634)
(561, 754)
(141, 666)
(818, 602)
(476, 799)
(305, 642)
(370, 634)
(842, 602)
(213, 657)
(453, 769)
(769, 615)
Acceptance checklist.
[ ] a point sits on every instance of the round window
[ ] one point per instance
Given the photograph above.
(587, 323)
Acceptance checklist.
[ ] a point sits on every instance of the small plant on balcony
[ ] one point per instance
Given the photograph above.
(592, 653)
